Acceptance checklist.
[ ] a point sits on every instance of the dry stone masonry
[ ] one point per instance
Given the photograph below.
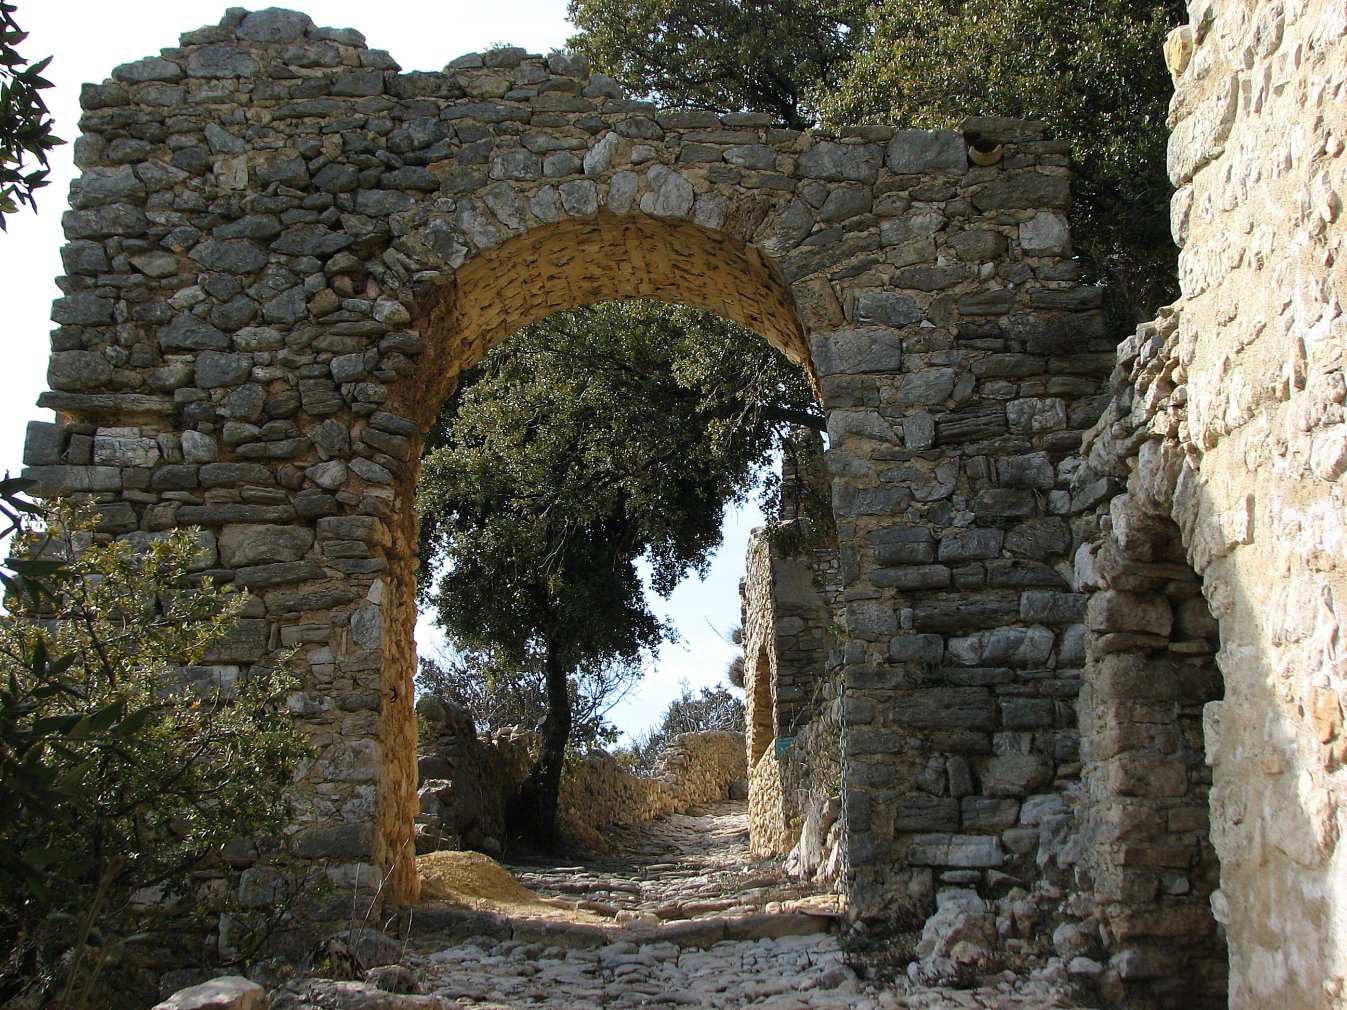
(1091, 672)
(282, 251)
(1227, 440)
(467, 780)
(790, 613)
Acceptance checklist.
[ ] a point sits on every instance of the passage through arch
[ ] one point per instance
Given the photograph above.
(301, 272)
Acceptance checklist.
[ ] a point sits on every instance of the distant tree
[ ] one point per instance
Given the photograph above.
(724, 55)
(25, 124)
(591, 441)
(497, 696)
(711, 708)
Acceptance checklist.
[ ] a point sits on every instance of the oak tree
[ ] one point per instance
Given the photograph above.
(724, 55)
(592, 441)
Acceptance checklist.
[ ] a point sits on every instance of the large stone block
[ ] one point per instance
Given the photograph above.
(1014, 646)
(938, 708)
(78, 370)
(841, 162)
(42, 446)
(247, 544)
(964, 851)
(920, 151)
(863, 351)
(229, 992)
(1114, 611)
(337, 841)
(1013, 775)
(926, 813)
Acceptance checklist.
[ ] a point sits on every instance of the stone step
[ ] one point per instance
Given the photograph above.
(426, 924)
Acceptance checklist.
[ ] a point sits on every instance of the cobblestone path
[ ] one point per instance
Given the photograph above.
(687, 866)
(701, 926)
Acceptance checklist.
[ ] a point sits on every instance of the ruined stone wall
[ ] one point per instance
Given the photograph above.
(1227, 437)
(282, 251)
(790, 622)
(694, 769)
(468, 781)
(1151, 642)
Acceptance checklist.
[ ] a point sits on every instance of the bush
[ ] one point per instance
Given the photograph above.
(123, 767)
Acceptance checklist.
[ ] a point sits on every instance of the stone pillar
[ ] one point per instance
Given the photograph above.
(952, 499)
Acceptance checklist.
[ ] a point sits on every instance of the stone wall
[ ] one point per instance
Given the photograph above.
(694, 769)
(790, 611)
(282, 251)
(1151, 644)
(467, 782)
(1228, 443)
(464, 784)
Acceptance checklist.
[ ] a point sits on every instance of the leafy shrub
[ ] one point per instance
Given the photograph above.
(25, 124)
(123, 766)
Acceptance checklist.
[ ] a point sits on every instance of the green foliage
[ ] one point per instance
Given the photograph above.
(120, 773)
(497, 696)
(594, 440)
(1093, 72)
(724, 55)
(25, 125)
(711, 708)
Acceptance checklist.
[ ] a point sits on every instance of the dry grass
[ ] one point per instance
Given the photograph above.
(476, 881)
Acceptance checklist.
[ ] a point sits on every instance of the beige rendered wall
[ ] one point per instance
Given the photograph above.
(1255, 374)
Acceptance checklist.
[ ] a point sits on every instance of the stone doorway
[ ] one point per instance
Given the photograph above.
(1149, 713)
(282, 250)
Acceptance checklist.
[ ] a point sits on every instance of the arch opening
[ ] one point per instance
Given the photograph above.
(578, 262)
(1151, 690)
(559, 268)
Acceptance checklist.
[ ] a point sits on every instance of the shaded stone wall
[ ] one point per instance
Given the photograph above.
(1151, 644)
(1227, 439)
(282, 251)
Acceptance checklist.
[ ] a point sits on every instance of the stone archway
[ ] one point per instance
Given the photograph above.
(282, 249)
(559, 265)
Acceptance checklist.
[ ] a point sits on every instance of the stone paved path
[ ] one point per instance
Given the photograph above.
(674, 884)
(687, 866)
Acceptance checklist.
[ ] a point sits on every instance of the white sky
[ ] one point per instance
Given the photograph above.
(87, 39)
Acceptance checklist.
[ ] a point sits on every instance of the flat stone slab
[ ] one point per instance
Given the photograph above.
(229, 992)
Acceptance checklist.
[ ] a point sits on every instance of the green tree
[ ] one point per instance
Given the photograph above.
(593, 440)
(498, 695)
(25, 125)
(1093, 72)
(122, 768)
(724, 55)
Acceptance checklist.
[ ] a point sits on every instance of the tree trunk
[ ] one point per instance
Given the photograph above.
(536, 808)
